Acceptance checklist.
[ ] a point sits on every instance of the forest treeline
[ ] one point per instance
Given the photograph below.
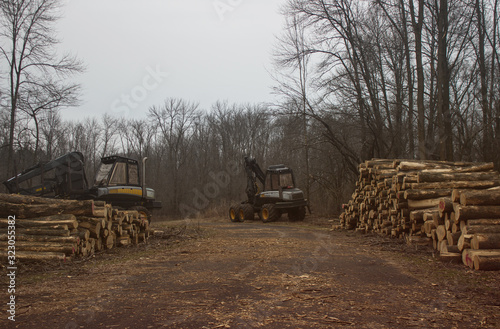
(354, 80)
(195, 157)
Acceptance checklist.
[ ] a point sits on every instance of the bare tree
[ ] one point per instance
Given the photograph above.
(174, 122)
(35, 79)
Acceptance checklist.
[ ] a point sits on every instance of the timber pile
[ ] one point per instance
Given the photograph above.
(52, 229)
(451, 206)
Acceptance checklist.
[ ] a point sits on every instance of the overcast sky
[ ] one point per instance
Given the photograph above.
(138, 53)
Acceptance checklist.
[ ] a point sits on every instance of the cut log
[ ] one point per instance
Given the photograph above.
(423, 204)
(486, 262)
(33, 256)
(485, 241)
(418, 240)
(468, 255)
(42, 238)
(426, 194)
(441, 233)
(485, 221)
(43, 231)
(123, 241)
(27, 223)
(456, 185)
(93, 227)
(445, 205)
(464, 241)
(67, 249)
(447, 248)
(475, 212)
(429, 226)
(452, 238)
(472, 229)
(424, 177)
(83, 208)
(450, 257)
(455, 195)
(94, 220)
(109, 241)
(418, 215)
(484, 197)
(100, 212)
(82, 233)
(33, 200)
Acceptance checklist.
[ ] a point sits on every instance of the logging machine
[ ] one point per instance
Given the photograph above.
(117, 182)
(279, 195)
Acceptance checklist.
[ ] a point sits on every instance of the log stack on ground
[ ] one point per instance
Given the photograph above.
(52, 229)
(451, 206)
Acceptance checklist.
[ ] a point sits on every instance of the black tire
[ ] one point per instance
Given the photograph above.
(297, 214)
(246, 212)
(144, 213)
(269, 213)
(233, 213)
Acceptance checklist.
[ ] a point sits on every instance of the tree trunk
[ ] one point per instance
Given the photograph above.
(443, 85)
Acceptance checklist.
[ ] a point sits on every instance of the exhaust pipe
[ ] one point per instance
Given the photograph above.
(144, 177)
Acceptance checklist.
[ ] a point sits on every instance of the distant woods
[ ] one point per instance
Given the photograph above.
(354, 80)
(195, 157)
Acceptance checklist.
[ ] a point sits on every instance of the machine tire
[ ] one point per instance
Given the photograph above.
(246, 212)
(143, 212)
(233, 213)
(269, 213)
(297, 214)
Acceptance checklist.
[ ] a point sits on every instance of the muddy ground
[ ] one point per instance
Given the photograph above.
(253, 275)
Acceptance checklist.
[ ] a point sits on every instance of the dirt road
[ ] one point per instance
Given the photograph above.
(254, 275)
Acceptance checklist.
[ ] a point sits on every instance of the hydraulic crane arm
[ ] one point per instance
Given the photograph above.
(253, 172)
(63, 176)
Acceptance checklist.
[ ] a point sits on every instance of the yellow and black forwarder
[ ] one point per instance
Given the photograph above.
(117, 181)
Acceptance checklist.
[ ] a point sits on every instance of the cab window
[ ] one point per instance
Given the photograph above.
(133, 174)
(119, 176)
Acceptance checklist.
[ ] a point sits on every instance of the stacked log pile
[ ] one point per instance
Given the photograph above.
(452, 206)
(53, 229)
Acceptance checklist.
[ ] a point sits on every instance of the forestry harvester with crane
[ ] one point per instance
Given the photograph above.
(277, 196)
(117, 182)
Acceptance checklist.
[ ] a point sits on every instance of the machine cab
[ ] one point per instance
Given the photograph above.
(117, 171)
(279, 177)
